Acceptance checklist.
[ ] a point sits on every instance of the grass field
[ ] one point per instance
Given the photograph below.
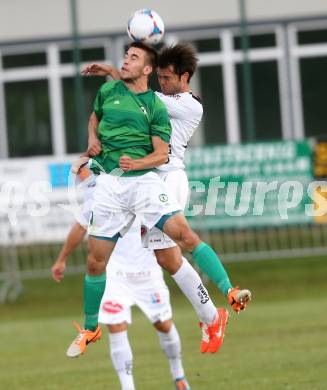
(280, 342)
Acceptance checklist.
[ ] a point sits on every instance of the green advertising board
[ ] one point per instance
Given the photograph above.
(249, 185)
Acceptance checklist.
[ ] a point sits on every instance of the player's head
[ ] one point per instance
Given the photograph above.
(176, 66)
(140, 61)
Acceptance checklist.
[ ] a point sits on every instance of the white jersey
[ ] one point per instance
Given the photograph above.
(185, 113)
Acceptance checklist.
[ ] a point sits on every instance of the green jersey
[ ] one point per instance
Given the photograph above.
(127, 121)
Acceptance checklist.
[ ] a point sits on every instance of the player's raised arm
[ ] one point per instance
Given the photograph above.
(157, 157)
(103, 70)
(94, 144)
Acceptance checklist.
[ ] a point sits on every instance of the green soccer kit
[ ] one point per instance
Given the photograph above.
(127, 121)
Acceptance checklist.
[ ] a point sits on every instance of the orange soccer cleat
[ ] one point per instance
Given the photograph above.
(182, 384)
(213, 334)
(238, 299)
(84, 337)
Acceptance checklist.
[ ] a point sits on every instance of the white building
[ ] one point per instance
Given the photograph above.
(288, 54)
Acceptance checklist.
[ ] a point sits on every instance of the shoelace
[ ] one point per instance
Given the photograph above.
(205, 332)
(79, 338)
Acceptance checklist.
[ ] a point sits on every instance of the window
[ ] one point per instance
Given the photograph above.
(256, 41)
(23, 60)
(312, 36)
(265, 101)
(87, 55)
(211, 81)
(76, 139)
(207, 45)
(314, 95)
(28, 118)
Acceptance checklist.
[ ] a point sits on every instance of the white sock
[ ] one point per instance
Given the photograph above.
(190, 283)
(171, 344)
(122, 359)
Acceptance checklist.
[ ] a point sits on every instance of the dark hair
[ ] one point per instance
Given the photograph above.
(151, 54)
(181, 56)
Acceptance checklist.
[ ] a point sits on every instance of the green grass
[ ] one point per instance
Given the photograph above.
(280, 342)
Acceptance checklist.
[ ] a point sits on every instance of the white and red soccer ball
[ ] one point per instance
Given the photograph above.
(146, 26)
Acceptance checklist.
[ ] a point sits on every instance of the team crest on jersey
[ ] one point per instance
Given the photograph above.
(144, 110)
(163, 198)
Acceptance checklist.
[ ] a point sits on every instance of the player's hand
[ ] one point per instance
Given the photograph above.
(96, 70)
(126, 163)
(78, 164)
(58, 269)
(94, 146)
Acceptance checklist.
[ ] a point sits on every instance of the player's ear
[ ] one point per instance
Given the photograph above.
(147, 70)
(185, 77)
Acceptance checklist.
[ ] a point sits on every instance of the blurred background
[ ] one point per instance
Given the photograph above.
(262, 77)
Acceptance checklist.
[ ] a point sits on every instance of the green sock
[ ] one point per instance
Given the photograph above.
(209, 263)
(93, 290)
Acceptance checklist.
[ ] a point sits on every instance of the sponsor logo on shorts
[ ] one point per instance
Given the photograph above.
(163, 198)
(112, 307)
(155, 298)
(202, 293)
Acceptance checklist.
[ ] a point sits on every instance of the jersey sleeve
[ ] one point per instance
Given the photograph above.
(180, 108)
(160, 124)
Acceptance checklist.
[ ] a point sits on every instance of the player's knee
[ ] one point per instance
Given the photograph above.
(117, 328)
(163, 326)
(189, 240)
(169, 259)
(95, 266)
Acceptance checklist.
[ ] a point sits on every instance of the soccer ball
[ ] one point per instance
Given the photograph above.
(146, 26)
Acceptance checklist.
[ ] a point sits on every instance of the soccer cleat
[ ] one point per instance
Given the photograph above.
(238, 299)
(182, 384)
(205, 337)
(84, 337)
(213, 334)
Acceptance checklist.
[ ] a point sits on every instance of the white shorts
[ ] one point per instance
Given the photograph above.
(117, 200)
(150, 294)
(177, 183)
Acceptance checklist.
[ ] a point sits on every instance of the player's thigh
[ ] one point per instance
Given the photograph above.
(152, 199)
(177, 183)
(100, 249)
(110, 214)
(177, 228)
(169, 259)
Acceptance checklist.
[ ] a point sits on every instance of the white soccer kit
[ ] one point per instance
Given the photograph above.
(133, 275)
(185, 113)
